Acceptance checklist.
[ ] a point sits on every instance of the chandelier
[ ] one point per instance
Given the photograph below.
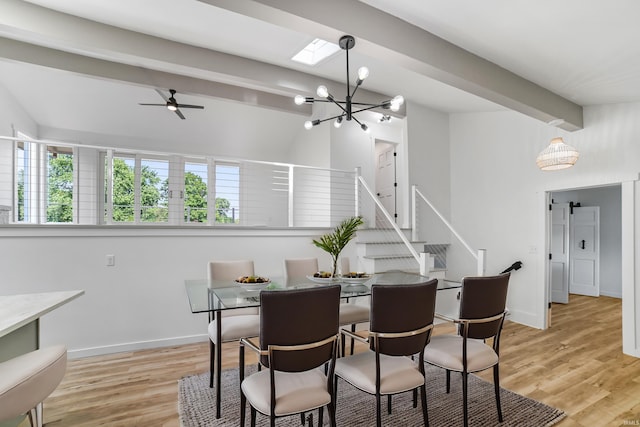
(347, 106)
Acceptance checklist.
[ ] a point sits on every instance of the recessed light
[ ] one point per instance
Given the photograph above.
(315, 52)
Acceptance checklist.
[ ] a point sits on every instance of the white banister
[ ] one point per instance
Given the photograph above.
(404, 239)
(449, 226)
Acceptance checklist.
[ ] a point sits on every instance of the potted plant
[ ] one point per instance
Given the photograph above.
(334, 243)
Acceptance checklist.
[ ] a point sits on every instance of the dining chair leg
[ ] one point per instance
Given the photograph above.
(465, 413)
(243, 408)
(332, 414)
(353, 341)
(448, 381)
(415, 397)
(389, 404)
(378, 411)
(320, 416)
(212, 356)
(423, 399)
(218, 371)
(302, 418)
(253, 417)
(496, 386)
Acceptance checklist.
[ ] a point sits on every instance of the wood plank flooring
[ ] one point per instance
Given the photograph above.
(577, 365)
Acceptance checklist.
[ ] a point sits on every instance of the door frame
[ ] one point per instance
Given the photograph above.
(630, 206)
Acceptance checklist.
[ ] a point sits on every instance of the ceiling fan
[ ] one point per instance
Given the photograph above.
(172, 104)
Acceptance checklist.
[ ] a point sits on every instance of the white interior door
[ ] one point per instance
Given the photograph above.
(559, 259)
(386, 179)
(584, 260)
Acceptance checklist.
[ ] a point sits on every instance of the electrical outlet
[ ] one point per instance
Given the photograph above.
(111, 260)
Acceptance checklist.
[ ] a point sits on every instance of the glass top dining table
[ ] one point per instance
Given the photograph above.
(206, 296)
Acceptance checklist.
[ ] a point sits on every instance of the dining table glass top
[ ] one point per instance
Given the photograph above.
(216, 295)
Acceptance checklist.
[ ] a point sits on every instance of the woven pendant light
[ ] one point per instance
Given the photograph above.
(557, 155)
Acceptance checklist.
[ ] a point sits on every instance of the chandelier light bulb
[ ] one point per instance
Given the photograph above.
(397, 102)
(308, 125)
(299, 99)
(363, 73)
(322, 91)
(365, 128)
(337, 123)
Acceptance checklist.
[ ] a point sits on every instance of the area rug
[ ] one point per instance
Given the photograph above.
(196, 405)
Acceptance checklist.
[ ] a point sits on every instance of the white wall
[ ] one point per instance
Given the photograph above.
(428, 160)
(498, 193)
(141, 301)
(609, 200)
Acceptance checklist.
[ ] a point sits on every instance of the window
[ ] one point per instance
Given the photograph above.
(195, 192)
(43, 195)
(154, 190)
(227, 193)
(59, 184)
(122, 190)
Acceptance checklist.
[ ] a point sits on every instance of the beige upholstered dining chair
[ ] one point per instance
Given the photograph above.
(298, 336)
(27, 380)
(482, 313)
(394, 338)
(237, 323)
(350, 313)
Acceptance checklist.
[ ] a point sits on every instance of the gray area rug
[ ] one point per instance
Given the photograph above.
(196, 405)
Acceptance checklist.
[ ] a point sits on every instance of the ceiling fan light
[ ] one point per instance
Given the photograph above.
(557, 155)
(171, 107)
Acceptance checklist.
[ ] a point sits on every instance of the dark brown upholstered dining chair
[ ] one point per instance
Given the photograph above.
(482, 313)
(401, 324)
(298, 337)
(350, 312)
(237, 323)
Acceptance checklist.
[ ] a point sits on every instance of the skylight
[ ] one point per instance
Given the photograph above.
(315, 52)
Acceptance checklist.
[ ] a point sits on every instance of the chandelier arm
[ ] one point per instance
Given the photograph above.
(355, 119)
(339, 105)
(369, 108)
(331, 118)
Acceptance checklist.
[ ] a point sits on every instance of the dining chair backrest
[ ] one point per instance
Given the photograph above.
(300, 267)
(298, 317)
(402, 308)
(230, 270)
(484, 297)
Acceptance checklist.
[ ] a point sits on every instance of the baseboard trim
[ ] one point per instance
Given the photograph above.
(133, 346)
(611, 294)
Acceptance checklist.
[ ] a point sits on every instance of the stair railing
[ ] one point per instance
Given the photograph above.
(479, 255)
(363, 184)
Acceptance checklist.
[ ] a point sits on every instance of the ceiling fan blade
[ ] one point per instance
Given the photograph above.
(180, 114)
(190, 106)
(155, 105)
(166, 99)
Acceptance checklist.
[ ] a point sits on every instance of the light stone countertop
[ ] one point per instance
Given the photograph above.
(18, 310)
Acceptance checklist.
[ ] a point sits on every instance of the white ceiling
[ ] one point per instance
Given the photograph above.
(583, 50)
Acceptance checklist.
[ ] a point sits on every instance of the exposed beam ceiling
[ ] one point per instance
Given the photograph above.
(382, 35)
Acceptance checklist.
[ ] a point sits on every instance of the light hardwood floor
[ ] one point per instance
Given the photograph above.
(577, 365)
